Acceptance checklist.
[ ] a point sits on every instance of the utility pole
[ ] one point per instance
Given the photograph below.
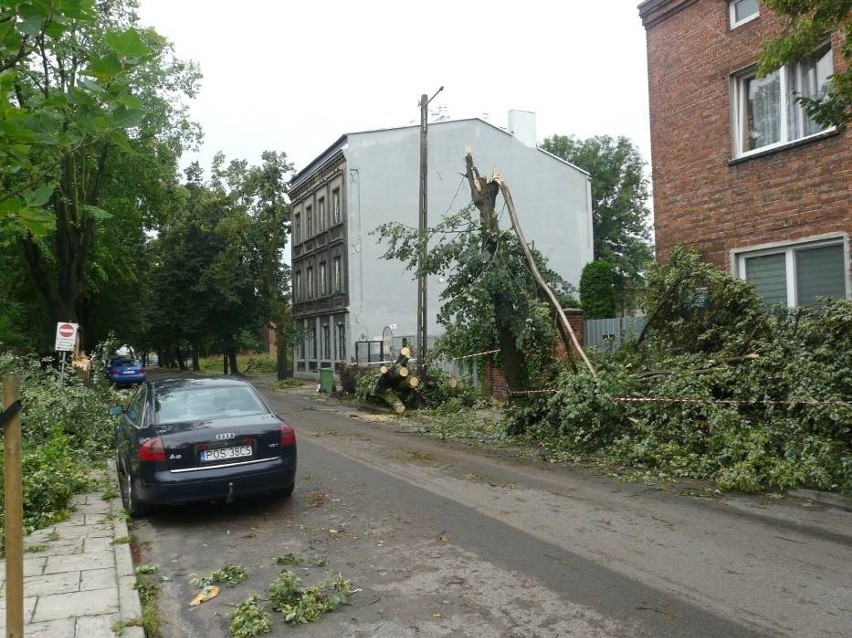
(422, 313)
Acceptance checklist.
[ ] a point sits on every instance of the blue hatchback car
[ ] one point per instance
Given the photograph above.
(123, 370)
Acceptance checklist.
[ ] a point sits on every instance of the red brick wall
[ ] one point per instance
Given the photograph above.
(701, 198)
(496, 379)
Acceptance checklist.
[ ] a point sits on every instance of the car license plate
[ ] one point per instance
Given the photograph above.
(225, 453)
(130, 372)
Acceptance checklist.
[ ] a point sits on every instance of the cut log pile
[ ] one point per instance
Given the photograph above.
(396, 380)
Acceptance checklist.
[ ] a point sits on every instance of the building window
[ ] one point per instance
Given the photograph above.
(743, 11)
(309, 222)
(297, 285)
(798, 274)
(297, 228)
(338, 275)
(323, 273)
(335, 206)
(341, 342)
(321, 213)
(767, 114)
(326, 342)
(310, 276)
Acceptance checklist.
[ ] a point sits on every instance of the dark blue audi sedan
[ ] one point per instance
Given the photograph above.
(189, 439)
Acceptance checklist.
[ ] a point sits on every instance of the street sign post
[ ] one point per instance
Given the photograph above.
(66, 336)
(66, 341)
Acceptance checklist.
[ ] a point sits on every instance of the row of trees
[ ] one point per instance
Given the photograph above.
(95, 225)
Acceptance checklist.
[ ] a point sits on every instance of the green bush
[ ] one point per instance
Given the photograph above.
(597, 292)
(65, 434)
(733, 393)
(260, 364)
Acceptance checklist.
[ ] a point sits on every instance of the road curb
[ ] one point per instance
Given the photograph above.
(129, 604)
(824, 498)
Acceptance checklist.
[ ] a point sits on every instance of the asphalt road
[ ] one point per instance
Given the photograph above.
(446, 540)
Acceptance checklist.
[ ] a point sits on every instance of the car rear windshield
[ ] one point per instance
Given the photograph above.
(126, 361)
(190, 404)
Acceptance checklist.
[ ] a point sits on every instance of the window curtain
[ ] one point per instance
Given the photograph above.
(768, 273)
(763, 111)
(809, 79)
(820, 272)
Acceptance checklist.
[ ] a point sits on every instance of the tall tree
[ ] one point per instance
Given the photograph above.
(220, 270)
(112, 89)
(807, 22)
(620, 213)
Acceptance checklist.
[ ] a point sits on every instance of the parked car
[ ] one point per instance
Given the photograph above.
(189, 439)
(124, 370)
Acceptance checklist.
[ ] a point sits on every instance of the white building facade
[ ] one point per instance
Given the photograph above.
(350, 303)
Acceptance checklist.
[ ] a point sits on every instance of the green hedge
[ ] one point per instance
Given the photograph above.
(65, 434)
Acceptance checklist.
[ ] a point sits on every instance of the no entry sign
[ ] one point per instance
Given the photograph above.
(66, 336)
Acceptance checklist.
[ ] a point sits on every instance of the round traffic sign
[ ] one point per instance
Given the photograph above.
(66, 330)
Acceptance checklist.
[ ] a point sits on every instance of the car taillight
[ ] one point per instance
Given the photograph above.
(152, 450)
(288, 435)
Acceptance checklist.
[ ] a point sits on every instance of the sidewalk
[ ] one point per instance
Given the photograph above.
(80, 582)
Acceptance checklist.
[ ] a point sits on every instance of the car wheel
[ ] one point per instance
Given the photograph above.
(287, 491)
(132, 506)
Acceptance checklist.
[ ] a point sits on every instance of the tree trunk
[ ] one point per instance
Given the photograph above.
(232, 357)
(393, 401)
(281, 356)
(195, 356)
(60, 277)
(484, 194)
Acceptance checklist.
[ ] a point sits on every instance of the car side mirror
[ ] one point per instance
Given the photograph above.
(115, 410)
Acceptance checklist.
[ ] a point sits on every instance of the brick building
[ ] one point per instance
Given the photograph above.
(739, 170)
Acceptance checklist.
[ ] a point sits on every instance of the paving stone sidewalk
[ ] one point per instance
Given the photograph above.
(79, 584)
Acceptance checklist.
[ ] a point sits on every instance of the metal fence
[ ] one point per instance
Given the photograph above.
(609, 334)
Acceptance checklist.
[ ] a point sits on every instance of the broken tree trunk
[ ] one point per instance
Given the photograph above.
(484, 196)
(566, 330)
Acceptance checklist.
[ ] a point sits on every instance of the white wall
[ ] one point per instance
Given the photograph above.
(552, 198)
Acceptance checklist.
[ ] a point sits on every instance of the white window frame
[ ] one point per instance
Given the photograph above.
(732, 6)
(338, 274)
(341, 341)
(321, 214)
(297, 228)
(310, 278)
(335, 206)
(309, 222)
(738, 259)
(326, 342)
(787, 108)
(323, 274)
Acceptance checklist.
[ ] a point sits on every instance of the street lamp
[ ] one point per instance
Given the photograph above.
(422, 315)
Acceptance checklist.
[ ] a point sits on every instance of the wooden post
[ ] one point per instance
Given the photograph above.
(14, 513)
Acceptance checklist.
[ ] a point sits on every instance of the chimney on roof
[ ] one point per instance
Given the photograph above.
(522, 127)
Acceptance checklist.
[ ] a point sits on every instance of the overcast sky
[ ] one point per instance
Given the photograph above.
(293, 76)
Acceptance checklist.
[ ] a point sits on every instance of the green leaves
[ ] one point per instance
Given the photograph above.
(807, 24)
(596, 290)
(750, 400)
